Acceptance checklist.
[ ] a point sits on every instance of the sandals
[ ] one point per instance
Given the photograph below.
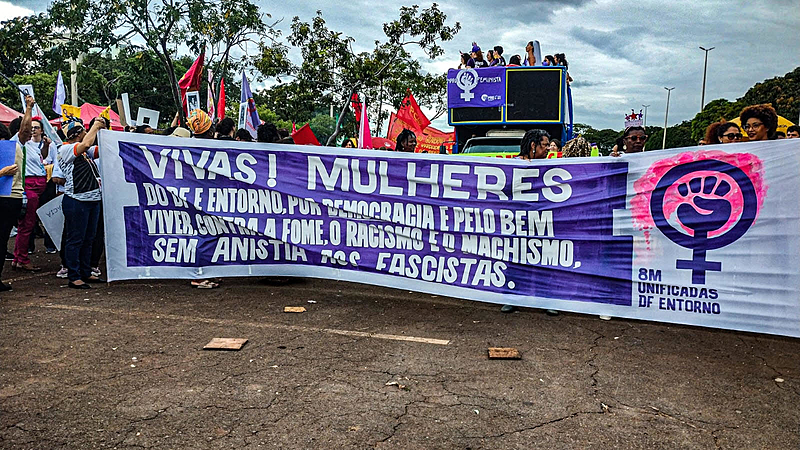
(204, 284)
(26, 267)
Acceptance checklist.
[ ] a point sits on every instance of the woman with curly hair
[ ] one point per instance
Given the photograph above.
(711, 133)
(759, 121)
(577, 148)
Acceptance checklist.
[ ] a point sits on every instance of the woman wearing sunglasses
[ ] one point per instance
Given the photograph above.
(729, 132)
(633, 140)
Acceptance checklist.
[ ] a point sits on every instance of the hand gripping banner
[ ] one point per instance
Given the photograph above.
(703, 236)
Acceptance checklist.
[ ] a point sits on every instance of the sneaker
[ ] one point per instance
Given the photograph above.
(62, 273)
(9, 256)
(51, 251)
(96, 272)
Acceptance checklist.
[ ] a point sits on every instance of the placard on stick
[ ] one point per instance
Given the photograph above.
(147, 117)
(192, 101)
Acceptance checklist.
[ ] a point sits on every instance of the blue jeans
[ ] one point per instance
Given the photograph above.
(80, 219)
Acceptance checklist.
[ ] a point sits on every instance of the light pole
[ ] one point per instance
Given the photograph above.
(666, 115)
(645, 115)
(705, 66)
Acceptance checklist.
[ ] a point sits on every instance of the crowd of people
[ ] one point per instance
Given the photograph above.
(41, 172)
(760, 122)
(494, 57)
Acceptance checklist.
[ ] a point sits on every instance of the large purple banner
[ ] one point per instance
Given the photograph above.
(670, 236)
(476, 88)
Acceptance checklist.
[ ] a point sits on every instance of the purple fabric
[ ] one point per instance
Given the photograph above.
(367, 197)
(476, 88)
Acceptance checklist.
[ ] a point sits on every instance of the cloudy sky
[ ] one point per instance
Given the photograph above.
(621, 54)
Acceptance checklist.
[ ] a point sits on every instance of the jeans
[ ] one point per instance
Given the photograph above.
(34, 187)
(81, 225)
(9, 212)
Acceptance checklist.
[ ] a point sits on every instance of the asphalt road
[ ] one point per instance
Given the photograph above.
(122, 366)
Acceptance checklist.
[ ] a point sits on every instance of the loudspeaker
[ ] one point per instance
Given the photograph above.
(533, 95)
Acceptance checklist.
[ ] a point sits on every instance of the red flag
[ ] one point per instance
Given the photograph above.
(294, 127)
(396, 126)
(221, 102)
(190, 81)
(304, 136)
(411, 113)
(356, 106)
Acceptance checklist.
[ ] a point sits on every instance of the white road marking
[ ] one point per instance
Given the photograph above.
(392, 337)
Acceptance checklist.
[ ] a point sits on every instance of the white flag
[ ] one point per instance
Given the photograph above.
(60, 95)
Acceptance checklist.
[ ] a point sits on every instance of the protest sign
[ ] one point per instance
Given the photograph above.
(126, 105)
(704, 236)
(147, 117)
(47, 128)
(8, 154)
(52, 218)
(476, 88)
(192, 100)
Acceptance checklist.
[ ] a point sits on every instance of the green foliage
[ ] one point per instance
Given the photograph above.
(713, 112)
(323, 126)
(677, 136)
(43, 88)
(605, 139)
(267, 115)
(331, 71)
(20, 49)
(782, 92)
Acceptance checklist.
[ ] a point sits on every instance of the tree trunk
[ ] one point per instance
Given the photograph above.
(345, 108)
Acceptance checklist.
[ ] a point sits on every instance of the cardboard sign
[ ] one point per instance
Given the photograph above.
(147, 117)
(192, 100)
(27, 89)
(52, 218)
(126, 108)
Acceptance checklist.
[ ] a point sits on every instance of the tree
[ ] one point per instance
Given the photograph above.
(605, 139)
(330, 67)
(163, 25)
(713, 112)
(782, 92)
(677, 136)
(323, 126)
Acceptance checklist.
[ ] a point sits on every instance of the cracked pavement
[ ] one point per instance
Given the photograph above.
(122, 366)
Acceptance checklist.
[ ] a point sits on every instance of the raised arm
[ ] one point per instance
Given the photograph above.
(90, 137)
(25, 125)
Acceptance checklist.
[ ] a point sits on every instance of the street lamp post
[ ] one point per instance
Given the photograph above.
(645, 115)
(705, 67)
(666, 115)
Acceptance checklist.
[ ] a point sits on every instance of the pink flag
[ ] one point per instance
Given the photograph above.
(221, 102)
(364, 136)
(210, 98)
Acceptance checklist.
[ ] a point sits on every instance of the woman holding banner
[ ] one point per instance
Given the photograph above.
(81, 204)
(11, 204)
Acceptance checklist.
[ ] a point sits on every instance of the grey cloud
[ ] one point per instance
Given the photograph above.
(619, 43)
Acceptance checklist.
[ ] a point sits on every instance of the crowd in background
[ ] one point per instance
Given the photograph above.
(494, 57)
(42, 171)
